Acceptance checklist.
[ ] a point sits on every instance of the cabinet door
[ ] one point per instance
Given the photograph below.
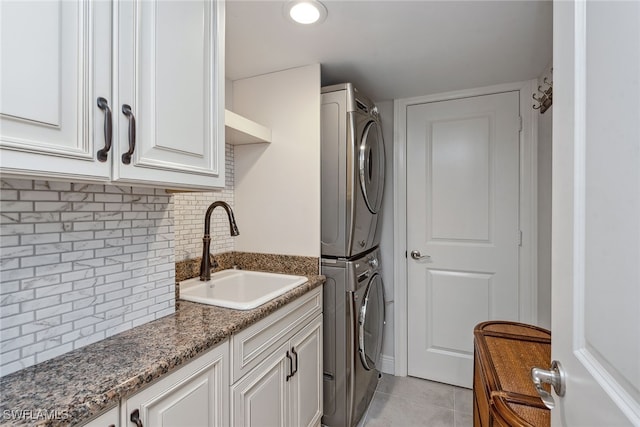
(260, 398)
(56, 62)
(171, 75)
(305, 389)
(108, 419)
(194, 396)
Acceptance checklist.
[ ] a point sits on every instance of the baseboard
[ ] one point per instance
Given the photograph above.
(387, 364)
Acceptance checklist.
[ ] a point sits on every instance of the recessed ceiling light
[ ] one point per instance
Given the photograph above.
(305, 11)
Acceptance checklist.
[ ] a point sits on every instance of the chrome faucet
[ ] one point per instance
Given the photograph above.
(206, 264)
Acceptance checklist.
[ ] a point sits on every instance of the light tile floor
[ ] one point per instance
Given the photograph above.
(408, 402)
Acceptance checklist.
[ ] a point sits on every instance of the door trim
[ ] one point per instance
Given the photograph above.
(528, 207)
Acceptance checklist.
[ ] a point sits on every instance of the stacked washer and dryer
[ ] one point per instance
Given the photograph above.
(352, 184)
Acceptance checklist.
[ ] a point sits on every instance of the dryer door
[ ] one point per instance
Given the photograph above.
(371, 166)
(371, 323)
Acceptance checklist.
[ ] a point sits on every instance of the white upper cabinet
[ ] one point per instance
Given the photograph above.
(171, 86)
(56, 62)
(147, 75)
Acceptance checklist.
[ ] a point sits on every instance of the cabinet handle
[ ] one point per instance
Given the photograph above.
(290, 374)
(135, 418)
(103, 104)
(126, 110)
(295, 370)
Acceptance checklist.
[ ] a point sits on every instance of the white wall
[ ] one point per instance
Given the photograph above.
(544, 212)
(277, 185)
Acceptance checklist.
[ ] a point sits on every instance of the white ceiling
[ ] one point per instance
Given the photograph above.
(395, 49)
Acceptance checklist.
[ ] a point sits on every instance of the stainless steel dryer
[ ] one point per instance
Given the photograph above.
(353, 319)
(352, 153)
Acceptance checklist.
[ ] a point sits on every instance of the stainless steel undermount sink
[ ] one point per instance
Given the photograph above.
(239, 289)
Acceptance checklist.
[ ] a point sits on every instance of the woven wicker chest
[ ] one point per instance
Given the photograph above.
(503, 393)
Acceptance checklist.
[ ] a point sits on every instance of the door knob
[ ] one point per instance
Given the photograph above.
(555, 376)
(418, 256)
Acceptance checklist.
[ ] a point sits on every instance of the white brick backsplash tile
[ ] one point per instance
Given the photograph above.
(36, 239)
(18, 342)
(13, 206)
(10, 356)
(11, 229)
(110, 216)
(9, 217)
(39, 260)
(8, 287)
(9, 333)
(19, 319)
(89, 340)
(53, 248)
(39, 195)
(9, 195)
(56, 351)
(54, 332)
(69, 248)
(52, 185)
(54, 268)
(8, 263)
(24, 362)
(32, 304)
(53, 227)
(15, 184)
(53, 206)
(9, 310)
(40, 217)
(53, 290)
(76, 197)
(77, 216)
(88, 188)
(52, 312)
(16, 297)
(146, 319)
(21, 273)
(88, 244)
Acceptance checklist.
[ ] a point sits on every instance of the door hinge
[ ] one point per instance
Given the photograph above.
(406, 254)
(519, 123)
(520, 238)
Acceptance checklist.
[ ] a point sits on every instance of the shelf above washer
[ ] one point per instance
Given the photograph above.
(240, 130)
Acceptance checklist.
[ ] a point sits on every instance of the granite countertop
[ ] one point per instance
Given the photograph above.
(85, 382)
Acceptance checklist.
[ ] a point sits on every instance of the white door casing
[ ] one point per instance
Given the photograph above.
(462, 215)
(527, 256)
(596, 212)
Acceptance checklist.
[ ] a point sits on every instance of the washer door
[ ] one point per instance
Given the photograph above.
(371, 323)
(371, 166)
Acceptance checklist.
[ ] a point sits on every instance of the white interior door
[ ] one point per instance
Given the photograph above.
(462, 218)
(596, 212)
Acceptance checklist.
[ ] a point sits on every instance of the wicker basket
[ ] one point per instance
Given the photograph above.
(503, 392)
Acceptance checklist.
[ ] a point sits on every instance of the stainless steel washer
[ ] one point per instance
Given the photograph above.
(353, 319)
(352, 169)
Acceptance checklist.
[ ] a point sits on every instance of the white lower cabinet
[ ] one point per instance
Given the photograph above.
(267, 375)
(108, 419)
(284, 388)
(196, 395)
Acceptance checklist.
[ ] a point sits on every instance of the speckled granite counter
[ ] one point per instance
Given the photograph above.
(84, 382)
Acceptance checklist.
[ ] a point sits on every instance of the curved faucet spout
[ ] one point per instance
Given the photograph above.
(206, 264)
